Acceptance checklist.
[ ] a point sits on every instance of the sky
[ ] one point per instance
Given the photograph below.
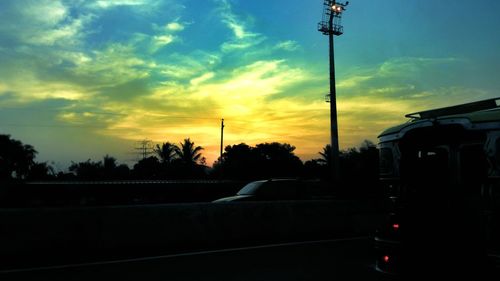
(82, 79)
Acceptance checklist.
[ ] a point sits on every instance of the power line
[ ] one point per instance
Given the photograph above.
(82, 111)
(51, 126)
(38, 109)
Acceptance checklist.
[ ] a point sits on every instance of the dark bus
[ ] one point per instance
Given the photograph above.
(441, 178)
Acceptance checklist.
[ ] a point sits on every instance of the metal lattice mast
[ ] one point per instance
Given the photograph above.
(331, 24)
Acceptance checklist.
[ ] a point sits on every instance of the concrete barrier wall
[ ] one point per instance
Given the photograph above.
(29, 236)
(71, 194)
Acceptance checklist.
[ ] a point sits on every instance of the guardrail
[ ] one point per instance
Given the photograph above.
(44, 236)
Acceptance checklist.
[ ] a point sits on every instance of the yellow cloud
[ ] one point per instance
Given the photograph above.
(257, 80)
(161, 41)
(407, 66)
(188, 66)
(29, 89)
(352, 82)
(48, 13)
(43, 23)
(243, 39)
(232, 22)
(361, 118)
(104, 4)
(54, 92)
(69, 117)
(288, 45)
(238, 29)
(116, 64)
(68, 33)
(174, 26)
(392, 89)
(202, 78)
(77, 58)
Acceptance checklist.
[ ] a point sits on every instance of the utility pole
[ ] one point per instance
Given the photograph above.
(331, 25)
(221, 138)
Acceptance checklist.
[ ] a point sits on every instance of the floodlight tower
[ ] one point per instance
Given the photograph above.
(331, 25)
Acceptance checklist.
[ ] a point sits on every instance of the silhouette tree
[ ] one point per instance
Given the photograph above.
(326, 155)
(107, 169)
(147, 168)
(362, 161)
(188, 153)
(278, 160)
(109, 163)
(358, 170)
(113, 171)
(238, 162)
(87, 170)
(367, 164)
(16, 158)
(122, 171)
(166, 152)
(189, 162)
(263, 161)
(41, 171)
(358, 166)
(315, 169)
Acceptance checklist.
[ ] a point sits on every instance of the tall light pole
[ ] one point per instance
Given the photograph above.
(331, 25)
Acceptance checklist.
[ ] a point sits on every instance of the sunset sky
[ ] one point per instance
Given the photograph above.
(81, 79)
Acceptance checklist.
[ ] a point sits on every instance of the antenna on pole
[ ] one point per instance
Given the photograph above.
(331, 24)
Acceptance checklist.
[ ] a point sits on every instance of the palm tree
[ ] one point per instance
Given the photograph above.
(166, 152)
(326, 155)
(188, 153)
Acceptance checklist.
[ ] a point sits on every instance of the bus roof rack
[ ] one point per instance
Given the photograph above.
(456, 109)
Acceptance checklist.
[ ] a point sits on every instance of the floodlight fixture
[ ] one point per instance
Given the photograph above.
(331, 22)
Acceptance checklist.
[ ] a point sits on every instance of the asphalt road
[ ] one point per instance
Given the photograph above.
(343, 259)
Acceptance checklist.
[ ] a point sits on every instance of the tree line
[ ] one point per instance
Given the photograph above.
(185, 161)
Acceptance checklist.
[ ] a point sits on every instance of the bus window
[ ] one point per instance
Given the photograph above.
(473, 165)
(386, 161)
(431, 164)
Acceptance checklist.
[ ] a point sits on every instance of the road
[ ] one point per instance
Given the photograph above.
(341, 259)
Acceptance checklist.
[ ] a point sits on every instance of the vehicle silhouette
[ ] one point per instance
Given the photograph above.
(270, 190)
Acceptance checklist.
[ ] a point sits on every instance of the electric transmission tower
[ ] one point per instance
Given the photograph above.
(144, 148)
(331, 25)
